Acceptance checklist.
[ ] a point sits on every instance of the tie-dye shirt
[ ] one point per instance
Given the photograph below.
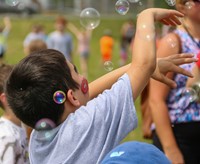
(181, 109)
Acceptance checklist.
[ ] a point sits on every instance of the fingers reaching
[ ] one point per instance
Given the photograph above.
(180, 70)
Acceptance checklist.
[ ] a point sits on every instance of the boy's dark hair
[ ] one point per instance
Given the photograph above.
(5, 70)
(32, 83)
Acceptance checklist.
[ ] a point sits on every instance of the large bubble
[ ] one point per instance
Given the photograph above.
(90, 18)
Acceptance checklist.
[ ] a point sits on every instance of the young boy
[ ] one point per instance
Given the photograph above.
(45, 86)
(13, 139)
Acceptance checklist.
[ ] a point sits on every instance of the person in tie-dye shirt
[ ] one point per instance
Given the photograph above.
(177, 118)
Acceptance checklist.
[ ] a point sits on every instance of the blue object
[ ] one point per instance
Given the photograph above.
(135, 153)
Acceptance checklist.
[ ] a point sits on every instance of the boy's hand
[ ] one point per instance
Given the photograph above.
(171, 64)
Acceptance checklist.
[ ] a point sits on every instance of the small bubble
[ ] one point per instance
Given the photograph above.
(171, 2)
(108, 66)
(59, 97)
(122, 7)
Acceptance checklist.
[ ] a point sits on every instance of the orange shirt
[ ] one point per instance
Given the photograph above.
(106, 45)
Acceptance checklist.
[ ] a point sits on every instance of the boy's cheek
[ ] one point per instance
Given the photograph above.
(84, 86)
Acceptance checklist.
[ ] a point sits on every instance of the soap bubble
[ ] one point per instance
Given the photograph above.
(171, 2)
(189, 94)
(44, 124)
(90, 18)
(108, 66)
(122, 6)
(133, 1)
(12, 2)
(189, 5)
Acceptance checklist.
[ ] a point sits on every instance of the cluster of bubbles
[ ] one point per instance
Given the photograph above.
(90, 19)
(46, 127)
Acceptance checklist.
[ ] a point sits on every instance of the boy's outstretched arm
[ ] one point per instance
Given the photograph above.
(144, 52)
(164, 65)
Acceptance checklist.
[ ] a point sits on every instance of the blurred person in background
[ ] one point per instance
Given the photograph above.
(37, 33)
(83, 36)
(127, 36)
(106, 45)
(60, 39)
(4, 32)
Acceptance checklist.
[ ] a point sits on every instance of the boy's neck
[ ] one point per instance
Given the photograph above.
(67, 111)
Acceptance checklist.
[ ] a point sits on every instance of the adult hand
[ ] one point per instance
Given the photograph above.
(171, 64)
(168, 17)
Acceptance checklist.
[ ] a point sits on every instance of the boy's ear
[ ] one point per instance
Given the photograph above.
(72, 99)
(3, 98)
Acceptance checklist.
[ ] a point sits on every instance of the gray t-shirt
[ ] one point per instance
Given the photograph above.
(87, 135)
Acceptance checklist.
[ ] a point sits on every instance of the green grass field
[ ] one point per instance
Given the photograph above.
(21, 26)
